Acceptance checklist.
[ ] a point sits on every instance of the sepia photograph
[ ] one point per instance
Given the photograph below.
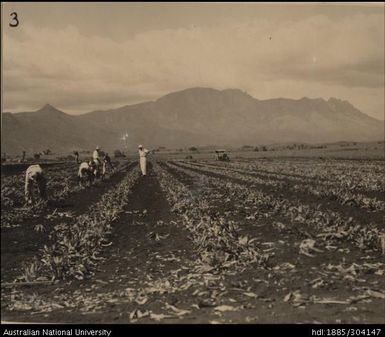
(174, 163)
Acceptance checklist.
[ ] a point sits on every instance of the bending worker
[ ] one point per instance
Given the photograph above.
(34, 176)
(86, 173)
(143, 159)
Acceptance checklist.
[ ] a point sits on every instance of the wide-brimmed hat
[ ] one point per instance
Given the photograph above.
(140, 146)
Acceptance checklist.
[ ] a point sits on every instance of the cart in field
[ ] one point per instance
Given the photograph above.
(221, 155)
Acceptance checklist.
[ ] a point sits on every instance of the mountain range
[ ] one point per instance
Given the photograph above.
(191, 117)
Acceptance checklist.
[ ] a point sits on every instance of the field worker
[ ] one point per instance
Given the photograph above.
(107, 163)
(142, 159)
(76, 153)
(34, 176)
(96, 155)
(86, 172)
(94, 167)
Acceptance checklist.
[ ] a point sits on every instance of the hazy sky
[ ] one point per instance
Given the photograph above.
(85, 56)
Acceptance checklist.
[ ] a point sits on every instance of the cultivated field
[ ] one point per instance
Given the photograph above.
(253, 240)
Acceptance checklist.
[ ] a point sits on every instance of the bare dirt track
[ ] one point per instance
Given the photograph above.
(150, 271)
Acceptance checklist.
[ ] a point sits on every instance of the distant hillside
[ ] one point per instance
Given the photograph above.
(48, 128)
(197, 116)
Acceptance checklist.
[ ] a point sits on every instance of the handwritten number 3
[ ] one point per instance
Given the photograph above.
(15, 20)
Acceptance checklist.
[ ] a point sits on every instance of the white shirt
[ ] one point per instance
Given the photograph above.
(95, 154)
(33, 171)
(82, 168)
(143, 153)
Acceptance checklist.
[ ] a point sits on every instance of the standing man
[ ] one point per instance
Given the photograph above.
(96, 155)
(76, 153)
(34, 176)
(142, 159)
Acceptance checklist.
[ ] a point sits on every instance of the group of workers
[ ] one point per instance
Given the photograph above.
(95, 168)
(88, 171)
